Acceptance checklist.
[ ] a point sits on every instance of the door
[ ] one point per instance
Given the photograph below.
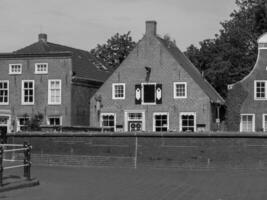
(3, 132)
(134, 120)
(135, 126)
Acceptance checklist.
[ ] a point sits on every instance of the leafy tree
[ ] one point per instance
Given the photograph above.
(115, 50)
(230, 56)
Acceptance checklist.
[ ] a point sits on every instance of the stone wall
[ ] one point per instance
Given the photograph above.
(173, 150)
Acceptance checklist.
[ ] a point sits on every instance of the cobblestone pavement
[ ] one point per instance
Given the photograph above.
(67, 183)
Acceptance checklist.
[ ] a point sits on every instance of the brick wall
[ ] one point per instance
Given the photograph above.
(165, 70)
(58, 68)
(174, 150)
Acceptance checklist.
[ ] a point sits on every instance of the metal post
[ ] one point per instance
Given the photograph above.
(136, 151)
(1, 165)
(27, 163)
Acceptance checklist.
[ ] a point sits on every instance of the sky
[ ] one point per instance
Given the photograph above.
(85, 23)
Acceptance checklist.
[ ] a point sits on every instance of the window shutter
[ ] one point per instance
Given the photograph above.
(138, 98)
(159, 94)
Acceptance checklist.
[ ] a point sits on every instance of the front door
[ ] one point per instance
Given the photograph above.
(4, 127)
(134, 120)
(135, 126)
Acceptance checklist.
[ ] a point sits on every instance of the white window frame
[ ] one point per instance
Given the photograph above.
(101, 120)
(50, 94)
(126, 119)
(142, 89)
(174, 90)
(10, 68)
(253, 121)
(113, 90)
(160, 113)
(5, 81)
(8, 125)
(23, 94)
(41, 72)
(18, 123)
(187, 113)
(255, 90)
(54, 116)
(263, 123)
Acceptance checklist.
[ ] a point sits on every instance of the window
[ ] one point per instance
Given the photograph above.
(149, 96)
(118, 91)
(22, 123)
(108, 120)
(4, 92)
(148, 93)
(54, 121)
(41, 68)
(180, 90)
(187, 122)
(54, 92)
(264, 122)
(15, 68)
(247, 123)
(27, 92)
(160, 122)
(260, 90)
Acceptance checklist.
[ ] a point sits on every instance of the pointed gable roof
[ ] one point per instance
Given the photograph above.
(192, 71)
(84, 64)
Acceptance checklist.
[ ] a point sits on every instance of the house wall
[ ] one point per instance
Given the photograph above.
(58, 68)
(248, 104)
(80, 103)
(165, 71)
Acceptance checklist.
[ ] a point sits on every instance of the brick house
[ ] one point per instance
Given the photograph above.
(247, 98)
(54, 80)
(156, 88)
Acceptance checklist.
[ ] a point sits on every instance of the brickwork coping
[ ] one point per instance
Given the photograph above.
(142, 134)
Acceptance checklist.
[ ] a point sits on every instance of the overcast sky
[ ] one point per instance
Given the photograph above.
(85, 23)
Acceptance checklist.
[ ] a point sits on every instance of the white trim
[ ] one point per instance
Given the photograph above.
(263, 122)
(22, 92)
(40, 72)
(49, 92)
(174, 90)
(113, 90)
(54, 116)
(10, 68)
(5, 81)
(255, 90)
(161, 113)
(101, 119)
(262, 48)
(253, 121)
(187, 113)
(8, 122)
(126, 112)
(142, 89)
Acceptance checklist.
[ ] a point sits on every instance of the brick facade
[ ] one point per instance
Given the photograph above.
(78, 76)
(250, 105)
(152, 62)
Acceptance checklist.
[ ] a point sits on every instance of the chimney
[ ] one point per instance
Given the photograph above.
(42, 37)
(151, 28)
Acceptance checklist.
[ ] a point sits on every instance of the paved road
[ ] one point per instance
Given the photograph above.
(65, 183)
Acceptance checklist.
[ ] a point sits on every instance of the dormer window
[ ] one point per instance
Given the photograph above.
(15, 68)
(118, 91)
(260, 90)
(41, 68)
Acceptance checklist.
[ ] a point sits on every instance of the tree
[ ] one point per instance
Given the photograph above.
(115, 50)
(230, 56)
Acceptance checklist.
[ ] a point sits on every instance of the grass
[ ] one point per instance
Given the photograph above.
(67, 183)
